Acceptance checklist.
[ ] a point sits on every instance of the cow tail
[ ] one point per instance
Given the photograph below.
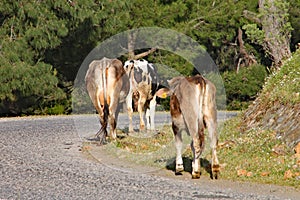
(105, 109)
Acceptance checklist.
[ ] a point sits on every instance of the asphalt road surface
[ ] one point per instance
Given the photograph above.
(41, 158)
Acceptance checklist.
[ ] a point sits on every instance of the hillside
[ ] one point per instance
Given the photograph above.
(277, 107)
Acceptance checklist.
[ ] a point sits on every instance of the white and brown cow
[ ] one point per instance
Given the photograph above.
(143, 85)
(193, 108)
(107, 85)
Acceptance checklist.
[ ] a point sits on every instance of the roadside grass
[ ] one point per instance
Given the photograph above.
(253, 156)
(256, 156)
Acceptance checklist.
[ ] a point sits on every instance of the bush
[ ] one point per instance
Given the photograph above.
(26, 89)
(242, 88)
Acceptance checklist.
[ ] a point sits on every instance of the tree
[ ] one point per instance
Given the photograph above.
(271, 30)
(243, 56)
(294, 19)
(28, 31)
(215, 25)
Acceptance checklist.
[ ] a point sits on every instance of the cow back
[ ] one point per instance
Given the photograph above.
(103, 76)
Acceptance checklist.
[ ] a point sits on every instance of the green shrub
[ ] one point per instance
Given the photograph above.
(242, 88)
(56, 110)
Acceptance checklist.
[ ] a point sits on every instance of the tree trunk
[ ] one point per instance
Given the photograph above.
(131, 47)
(244, 59)
(277, 34)
(131, 44)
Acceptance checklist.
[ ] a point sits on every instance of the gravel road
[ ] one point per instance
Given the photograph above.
(41, 158)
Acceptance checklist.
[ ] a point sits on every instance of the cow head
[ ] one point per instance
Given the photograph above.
(128, 66)
(165, 92)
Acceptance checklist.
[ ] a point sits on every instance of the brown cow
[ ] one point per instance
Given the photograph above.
(107, 85)
(193, 108)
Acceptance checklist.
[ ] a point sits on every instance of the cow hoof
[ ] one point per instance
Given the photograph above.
(216, 175)
(195, 175)
(215, 171)
(179, 169)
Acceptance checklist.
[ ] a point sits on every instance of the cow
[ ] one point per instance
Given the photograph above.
(107, 85)
(143, 85)
(193, 108)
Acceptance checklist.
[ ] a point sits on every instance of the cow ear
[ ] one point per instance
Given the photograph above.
(163, 93)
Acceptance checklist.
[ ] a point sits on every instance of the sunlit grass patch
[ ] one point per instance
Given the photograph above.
(145, 149)
(145, 142)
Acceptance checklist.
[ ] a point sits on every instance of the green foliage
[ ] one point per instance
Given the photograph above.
(215, 24)
(25, 88)
(254, 34)
(56, 110)
(60, 33)
(242, 88)
(28, 30)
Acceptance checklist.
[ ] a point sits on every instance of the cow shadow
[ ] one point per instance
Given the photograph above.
(187, 164)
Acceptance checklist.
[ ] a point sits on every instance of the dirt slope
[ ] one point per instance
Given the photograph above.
(278, 105)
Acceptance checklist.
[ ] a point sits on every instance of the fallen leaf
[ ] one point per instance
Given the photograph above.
(297, 148)
(288, 174)
(241, 172)
(249, 174)
(265, 173)
(297, 174)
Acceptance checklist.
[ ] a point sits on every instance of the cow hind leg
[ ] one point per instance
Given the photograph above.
(150, 114)
(178, 144)
(141, 104)
(196, 149)
(102, 133)
(197, 146)
(113, 116)
(129, 111)
(212, 131)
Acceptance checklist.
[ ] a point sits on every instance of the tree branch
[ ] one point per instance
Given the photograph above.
(141, 55)
(243, 54)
